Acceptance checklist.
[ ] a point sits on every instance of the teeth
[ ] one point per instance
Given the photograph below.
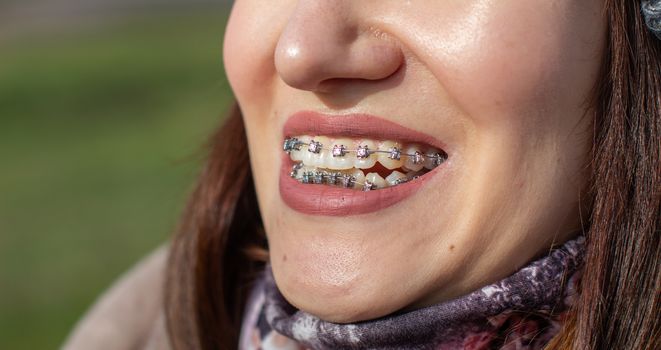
(412, 175)
(346, 181)
(389, 160)
(433, 158)
(340, 162)
(344, 154)
(301, 173)
(317, 151)
(395, 178)
(299, 154)
(318, 177)
(416, 161)
(365, 157)
(359, 178)
(295, 170)
(354, 178)
(333, 160)
(349, 179)
(376, 180)
(306, 177)
(333, 178)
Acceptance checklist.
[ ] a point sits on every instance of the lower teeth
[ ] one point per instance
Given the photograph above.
(320, 176)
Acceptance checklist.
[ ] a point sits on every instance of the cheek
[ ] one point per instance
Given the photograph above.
(250, 38)
(249, 43)
(497, 65)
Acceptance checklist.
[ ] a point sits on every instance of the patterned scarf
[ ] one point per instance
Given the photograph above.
(523, 311)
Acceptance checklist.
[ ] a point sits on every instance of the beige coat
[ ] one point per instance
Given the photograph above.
(129, 316)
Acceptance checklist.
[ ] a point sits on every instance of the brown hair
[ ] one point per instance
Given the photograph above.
(220, 245)
(619, 303)
(209, 272)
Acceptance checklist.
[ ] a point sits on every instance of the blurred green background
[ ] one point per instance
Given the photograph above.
(104, 107)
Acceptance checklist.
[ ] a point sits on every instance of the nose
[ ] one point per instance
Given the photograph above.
(325, 42)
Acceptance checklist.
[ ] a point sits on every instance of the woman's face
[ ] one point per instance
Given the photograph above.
(498, 88)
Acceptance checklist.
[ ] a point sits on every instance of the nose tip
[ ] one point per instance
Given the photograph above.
(311, 53)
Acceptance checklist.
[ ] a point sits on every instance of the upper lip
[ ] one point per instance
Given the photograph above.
(354, 125)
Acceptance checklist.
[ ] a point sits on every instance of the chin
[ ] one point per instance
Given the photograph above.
(341, 309)
(352, 300)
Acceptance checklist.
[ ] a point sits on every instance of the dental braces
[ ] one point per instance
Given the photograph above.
(337, 179)
(362, 152)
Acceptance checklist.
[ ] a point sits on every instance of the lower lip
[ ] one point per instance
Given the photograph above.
(336, 201)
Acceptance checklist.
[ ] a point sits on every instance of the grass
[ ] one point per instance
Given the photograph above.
(96, 132)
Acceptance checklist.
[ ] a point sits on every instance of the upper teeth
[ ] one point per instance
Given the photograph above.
(342, 153)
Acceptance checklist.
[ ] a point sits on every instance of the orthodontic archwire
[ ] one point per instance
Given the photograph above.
(362, 152)
(337, 178)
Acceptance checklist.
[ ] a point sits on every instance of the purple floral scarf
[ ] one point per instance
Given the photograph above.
(522, 311)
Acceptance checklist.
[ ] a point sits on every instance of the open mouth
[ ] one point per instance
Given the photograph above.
(360, 164)
(341, 165)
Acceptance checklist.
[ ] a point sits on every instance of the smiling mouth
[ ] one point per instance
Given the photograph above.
(359, 164)
(352, 164)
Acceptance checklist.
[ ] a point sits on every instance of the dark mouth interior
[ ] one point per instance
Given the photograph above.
(381, 170)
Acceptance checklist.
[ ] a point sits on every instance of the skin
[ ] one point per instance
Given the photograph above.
(503, 83)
